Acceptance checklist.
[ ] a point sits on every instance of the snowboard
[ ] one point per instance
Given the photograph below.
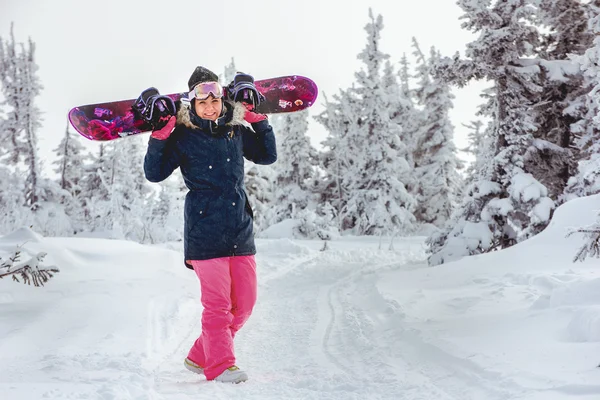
(113, 120)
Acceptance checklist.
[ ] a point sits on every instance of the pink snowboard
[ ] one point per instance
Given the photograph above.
(113, 120)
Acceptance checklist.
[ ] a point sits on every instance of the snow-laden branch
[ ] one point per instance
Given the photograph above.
(591, 248)
(29, 271)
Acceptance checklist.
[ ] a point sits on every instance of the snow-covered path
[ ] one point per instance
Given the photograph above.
(351, 322)
(307, 338)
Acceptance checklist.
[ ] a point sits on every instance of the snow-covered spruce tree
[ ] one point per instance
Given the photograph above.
(164, 211)
(69, 164)
(31, 116)
(94, 194)
(296, 194)
(587, 131)
(12, 212)
(338, 159)
(568, 32)
(505, 203)
(295, 169)
(552, 158)
(50, 218)
(476, 147)
(116, 191)
(260, 187)
(436, 162)
(10, 70)
(11, 183)
(404, 112)
(20, 87)
(229, 72)
(378, 202)
(128, 190)
(404, 77)
(587, 181)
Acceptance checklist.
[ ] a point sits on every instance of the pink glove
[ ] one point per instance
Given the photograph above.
(252, 117)
(164, 132)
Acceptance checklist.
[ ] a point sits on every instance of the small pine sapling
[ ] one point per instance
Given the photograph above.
(29, 271)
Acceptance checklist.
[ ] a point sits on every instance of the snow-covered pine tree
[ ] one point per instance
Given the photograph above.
(505, 203)
(50, 218)
(476, 148)
(11, 184)
(19, 154)
(20, 86)
(2, 110)
(587, 181)
(365, 160)
(296, 174)
(436, 161)
(13, 214)
(402, 109)
(69, 162)
(338, 159)
(378, 201)
(164, 211)
(10, 69)
(70, 168)
(31, 116)
(552, 156)
(295, 169)
(409, 118)
(128, 190)
(423, 78)
(260, 187)
(568, 31)
(587, 130)
(229, 72)
(404, 77)
(95, 194)
(115, 191)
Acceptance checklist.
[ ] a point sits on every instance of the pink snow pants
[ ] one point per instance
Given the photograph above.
(228, 294)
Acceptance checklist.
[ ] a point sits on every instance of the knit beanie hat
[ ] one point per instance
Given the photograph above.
(201, 75)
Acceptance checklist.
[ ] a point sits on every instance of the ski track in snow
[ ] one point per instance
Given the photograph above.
(400, 362)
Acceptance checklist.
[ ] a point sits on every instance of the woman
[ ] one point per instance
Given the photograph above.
(208, 142)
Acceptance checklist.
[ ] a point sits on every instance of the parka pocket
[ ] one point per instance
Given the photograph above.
(198, 209)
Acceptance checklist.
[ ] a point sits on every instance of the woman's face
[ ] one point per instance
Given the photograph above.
(209, 108)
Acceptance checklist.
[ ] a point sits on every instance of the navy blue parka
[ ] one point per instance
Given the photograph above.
(218, 217)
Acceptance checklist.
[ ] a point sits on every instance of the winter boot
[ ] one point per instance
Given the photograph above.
(192, 366)
(232, 375)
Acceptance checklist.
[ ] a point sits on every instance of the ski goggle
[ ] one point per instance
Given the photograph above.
(203, 90)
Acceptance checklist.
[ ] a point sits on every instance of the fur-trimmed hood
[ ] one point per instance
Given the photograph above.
(233, 114)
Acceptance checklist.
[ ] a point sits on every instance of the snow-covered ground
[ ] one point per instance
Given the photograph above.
(351, 322)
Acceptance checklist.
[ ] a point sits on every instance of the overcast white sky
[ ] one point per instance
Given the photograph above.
(94, 51)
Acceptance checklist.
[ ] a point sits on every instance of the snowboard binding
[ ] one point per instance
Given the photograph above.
(154, 108)
(242, 89)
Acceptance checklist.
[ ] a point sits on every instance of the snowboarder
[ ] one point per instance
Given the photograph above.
(208, 141)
